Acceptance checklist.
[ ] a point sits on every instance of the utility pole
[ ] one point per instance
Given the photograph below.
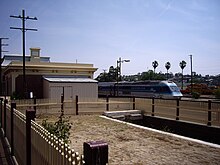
(23, 29)
(118, 74)
(191, 74)
(119, 62)
(1, 44)
(104, 74)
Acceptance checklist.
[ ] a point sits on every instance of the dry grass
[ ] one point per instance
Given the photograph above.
(135, 146)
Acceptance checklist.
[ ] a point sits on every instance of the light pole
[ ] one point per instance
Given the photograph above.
(119, 62)
(191, 74)
(118, 73)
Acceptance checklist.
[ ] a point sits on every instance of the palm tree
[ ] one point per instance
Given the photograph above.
(167, 66)
(155, 64)
(182, 66)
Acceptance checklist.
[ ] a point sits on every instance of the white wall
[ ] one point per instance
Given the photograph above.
(85, 91)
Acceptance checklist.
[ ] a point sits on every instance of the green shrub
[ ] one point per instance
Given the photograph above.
(15, 96)
(195, 95)
(61, 128)
(217, 93)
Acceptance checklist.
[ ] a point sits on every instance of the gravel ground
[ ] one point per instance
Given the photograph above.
(130, 145)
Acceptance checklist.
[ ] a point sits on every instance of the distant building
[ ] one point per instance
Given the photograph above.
(40, 71)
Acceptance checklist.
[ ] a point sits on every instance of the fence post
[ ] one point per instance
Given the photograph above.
(209, 112)
(152, 114)
(29, 116)
(62, 102)
(95, 152)
(133, 102)
(77, 105)
(35, 107)
(177, 109)
(107, 103)
(13, 106)
(5, 104)
(1, 100)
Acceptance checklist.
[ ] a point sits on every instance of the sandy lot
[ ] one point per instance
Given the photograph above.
(129, 145)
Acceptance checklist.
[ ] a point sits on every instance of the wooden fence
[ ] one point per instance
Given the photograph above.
(30, 143)
(203, 112)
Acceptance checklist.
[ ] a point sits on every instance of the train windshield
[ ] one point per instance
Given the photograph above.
(174, 89)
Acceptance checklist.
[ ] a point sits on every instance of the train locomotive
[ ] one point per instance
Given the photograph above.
(157, 89)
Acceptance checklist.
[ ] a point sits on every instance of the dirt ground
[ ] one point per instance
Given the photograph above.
(130, 145)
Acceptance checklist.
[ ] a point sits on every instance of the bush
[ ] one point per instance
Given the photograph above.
(217, 93)
(195, 95)
(16, 96)
(61, 128)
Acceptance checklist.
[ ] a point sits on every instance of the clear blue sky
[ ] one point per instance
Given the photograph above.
(101, 31)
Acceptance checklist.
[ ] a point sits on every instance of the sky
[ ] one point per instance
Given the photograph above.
(100, 32)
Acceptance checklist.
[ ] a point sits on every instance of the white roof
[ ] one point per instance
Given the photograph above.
(69, 79)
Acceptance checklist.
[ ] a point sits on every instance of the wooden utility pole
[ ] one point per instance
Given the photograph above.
(23, 29)
(1, 44)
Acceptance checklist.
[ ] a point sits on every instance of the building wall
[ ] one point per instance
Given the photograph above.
(36, 67)
(83, 90)
(46, 89)
(34, 84)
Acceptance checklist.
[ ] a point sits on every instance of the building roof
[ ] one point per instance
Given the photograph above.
(69, 79)
(37, 65)
(7, 59)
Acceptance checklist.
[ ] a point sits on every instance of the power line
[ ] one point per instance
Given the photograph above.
(23, 29)
(1, 44)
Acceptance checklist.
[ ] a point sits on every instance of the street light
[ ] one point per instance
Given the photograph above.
(118, 73)
(119, 62)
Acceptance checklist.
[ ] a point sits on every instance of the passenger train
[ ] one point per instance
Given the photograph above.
(157, 89)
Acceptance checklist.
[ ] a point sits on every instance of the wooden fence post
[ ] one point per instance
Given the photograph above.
(77, 105)
(152, 114)
(5, 104)
(35, 107)
(133, 102)
(13, 106)
(1, 100)
(209, 112)
(177, 109)
(95, 152)
(62, 102)
(107, 103)
(29, 116)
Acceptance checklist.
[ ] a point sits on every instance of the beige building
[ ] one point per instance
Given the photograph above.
(40, 71)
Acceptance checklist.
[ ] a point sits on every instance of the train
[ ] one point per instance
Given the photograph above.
(156, 89)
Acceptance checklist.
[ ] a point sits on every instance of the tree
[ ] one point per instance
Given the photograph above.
(182, 66)
(155, 65)
(167, 66)
(112, 73)
(147, 75)
(101, 77)
(109, 76)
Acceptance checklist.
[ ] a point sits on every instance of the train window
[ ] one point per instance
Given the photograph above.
(138, 88)
(174, 89)
(125, 87)
(164, 89)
